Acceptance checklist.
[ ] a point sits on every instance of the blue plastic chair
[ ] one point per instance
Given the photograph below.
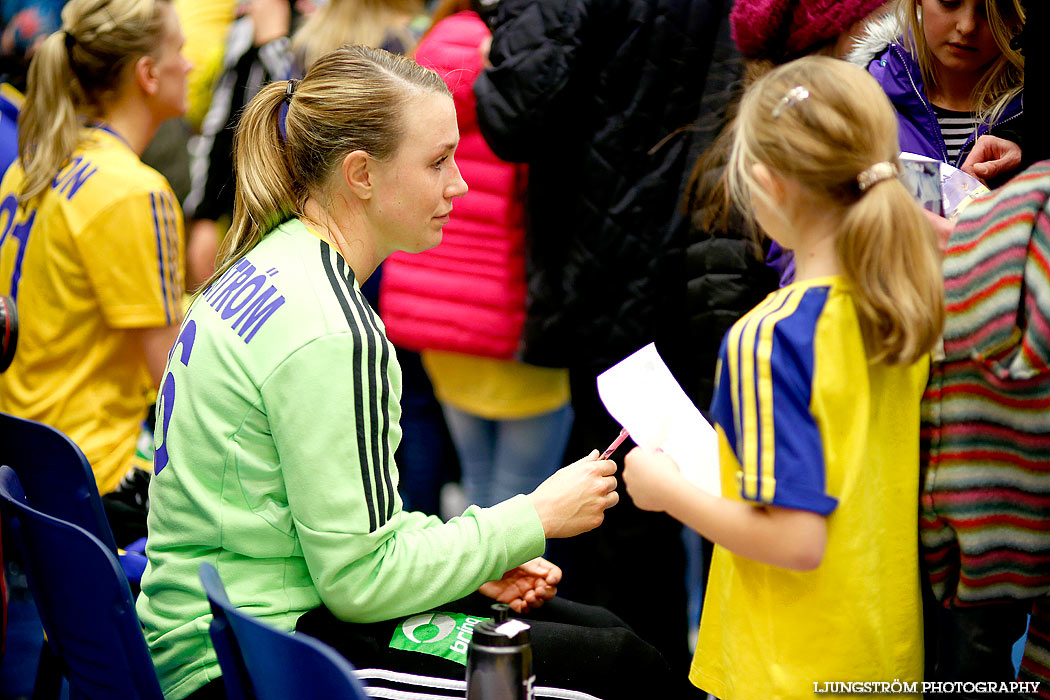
(58, 480)
(54, 474)
(260, 662)
(84, 602)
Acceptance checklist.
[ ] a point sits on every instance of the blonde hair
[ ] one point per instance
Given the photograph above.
(71, 79)
(351, 99)
(885, 244)
(1003, 80)
(364, 22)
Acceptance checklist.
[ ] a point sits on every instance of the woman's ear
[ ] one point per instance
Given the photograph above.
(145, 75)
(357, 173)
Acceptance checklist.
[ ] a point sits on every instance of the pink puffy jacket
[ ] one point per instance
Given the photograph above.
(466, 295)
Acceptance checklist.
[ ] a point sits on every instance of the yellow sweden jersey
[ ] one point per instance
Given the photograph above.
(98, 255)
(806, 422)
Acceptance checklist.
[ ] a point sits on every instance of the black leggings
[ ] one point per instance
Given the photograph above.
(576, 647)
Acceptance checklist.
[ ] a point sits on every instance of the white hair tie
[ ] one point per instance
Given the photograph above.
(876, 174)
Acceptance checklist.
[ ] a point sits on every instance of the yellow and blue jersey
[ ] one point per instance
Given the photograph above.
(96, 256)
(806, 421)
(762, 402)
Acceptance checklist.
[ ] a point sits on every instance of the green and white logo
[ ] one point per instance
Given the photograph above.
(446, 635)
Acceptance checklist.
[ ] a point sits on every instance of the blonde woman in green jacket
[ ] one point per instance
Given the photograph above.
(278, 414)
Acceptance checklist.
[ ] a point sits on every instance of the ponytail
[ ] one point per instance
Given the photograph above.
(48, 126)
(888, 249)
(823, 123)
(74, 74)
(265, 197)
(349, 100)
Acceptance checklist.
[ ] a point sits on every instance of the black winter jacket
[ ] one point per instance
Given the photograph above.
(727, 275)
(591, 94)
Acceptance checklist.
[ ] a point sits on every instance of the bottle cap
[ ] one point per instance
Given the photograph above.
(502, 630)
(500, 613)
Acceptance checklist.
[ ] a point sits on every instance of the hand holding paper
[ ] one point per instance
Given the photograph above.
(992, 157)
(939, 187)
(652, 478)
(642, 395)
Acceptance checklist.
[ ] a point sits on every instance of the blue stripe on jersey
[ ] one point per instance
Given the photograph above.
(172, 229)
(160, 258)
(725, 401)
(798, 445)
(765, 410)
(721, 411)
(166, 249)
(170, 245)
(749, 339)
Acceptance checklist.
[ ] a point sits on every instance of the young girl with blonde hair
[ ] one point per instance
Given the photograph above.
(815, 575)
(954, 73)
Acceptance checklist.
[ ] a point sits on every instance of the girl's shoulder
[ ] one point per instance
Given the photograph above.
(789, 317)
(104, 175)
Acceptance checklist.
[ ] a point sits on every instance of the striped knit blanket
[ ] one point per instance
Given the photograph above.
(986, 413)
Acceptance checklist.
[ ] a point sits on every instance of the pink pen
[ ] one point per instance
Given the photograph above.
(616, 443)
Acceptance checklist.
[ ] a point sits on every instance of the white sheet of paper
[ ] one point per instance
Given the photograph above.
(958, 189)
(643, 396)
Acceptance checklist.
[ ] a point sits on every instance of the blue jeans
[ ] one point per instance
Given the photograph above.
(502, 458)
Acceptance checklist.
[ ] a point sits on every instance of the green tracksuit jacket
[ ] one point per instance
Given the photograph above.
(277, 422)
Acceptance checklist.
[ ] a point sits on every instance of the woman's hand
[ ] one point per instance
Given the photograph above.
(991, 158)
(574, 498)
(649, 477)
(525, 587)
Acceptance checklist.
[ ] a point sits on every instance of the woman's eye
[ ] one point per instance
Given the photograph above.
(440, 161)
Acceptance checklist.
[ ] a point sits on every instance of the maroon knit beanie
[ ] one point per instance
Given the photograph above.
(782, 29)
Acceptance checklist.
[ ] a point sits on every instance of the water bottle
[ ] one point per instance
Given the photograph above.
(499, 659)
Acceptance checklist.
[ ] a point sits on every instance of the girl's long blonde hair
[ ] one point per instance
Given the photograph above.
(885, 244)
(351, 99)
(72, 75)
(1003, 80)
(364, 22)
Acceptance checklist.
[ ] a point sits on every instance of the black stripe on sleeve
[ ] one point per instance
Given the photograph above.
(362, 450)
(384, 367)
(378, 466)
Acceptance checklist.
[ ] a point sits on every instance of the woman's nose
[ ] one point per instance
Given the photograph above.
(458, 186)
